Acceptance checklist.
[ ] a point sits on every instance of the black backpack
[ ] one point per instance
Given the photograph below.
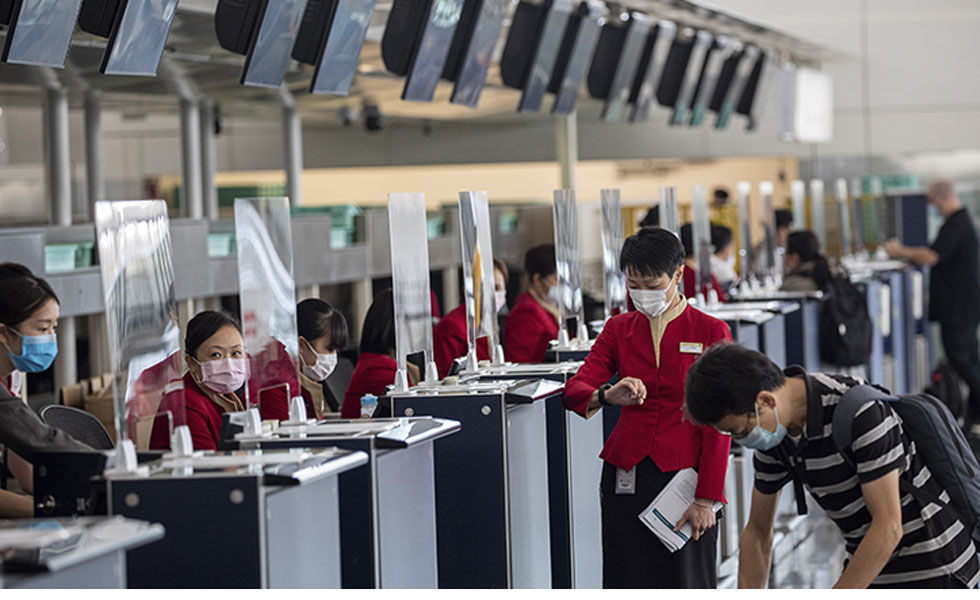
(938, 440)
(845, 327)
(949, 387)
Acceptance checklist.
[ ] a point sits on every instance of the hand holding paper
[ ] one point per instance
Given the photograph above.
(667, 516)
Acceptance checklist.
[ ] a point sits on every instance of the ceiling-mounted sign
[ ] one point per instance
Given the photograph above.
(573, 57)
(651, 69)
(472, 49)
(137, 31)
(633, 34)
(39, 32)
(264, 31)
(416, 43)
(813, 111)
(531, 52)
(330, 38)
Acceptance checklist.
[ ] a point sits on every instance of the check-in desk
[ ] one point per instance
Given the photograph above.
(492, 509)
(82, 553)
(884, 285)
(571, 352)
(918, 347)
(802, 326)
(574, 470)
(237, 519)
(387, 506)
(755, 329)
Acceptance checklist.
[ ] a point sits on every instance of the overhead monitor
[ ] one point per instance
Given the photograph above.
(531, 50)
(726, 98)
(633, 34)
(651, 69)
(573, 57)
(752, 90)
(137, 31)
(813, 111)
(416, 43)
(710, 77)
(330, 38)
(472, 48)
(39, 32)
(695, 65)
(264, 31)
(674, 67)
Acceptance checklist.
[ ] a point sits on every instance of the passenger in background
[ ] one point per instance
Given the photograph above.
(808, 270)
(376, 365)
(322, 332)
(691, 272)
(533, 320)
(449, 339)
(216, 373)
(723, 258)
(784, 225)
(649, 351)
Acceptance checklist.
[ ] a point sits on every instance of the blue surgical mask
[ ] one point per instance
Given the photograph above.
(37, 352)
(763, 439)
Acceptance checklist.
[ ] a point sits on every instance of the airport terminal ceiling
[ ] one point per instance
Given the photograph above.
(193, 63)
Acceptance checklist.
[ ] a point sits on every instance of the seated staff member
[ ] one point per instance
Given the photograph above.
(322, 332)
(723, 256)
(449, 339)
(376, 366)
(29, 311)
(650, 349)
(216, 371)
(533, 320)
(691, 272)
(808, 269)
(877, 490)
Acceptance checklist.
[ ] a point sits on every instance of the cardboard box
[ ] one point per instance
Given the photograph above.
(72, 395)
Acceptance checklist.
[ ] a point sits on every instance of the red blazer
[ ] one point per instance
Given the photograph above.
(277, 372)
(200, 414)
(690, 285)
(449, 340)
(372, 375)
(656, 427)
(149, 389)
(529, 330)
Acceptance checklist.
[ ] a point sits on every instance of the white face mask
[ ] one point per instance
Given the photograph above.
(501, 296)
(652, 303)
(554, 294)
(322, 368)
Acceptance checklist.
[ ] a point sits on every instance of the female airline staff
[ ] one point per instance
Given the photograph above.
(216, 370)
(322, 332)
(376, 366)
(449, 340)
(650, 349)
(533, 321)
(29, 311)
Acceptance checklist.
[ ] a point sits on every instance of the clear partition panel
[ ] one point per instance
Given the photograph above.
(768, 228)
(857, 214)
(701, 236)
(798, 194)
(612, 244)
(136, 260)
(876, 211)
(844, 216)
(669, 215)
(478, 279)
(410, 280)
(267, 294)
(743, 193)
(567, 259)
(817, 221)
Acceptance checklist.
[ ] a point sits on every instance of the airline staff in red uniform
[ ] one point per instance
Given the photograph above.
(690, 271)
(376, 365)
(650, 349)
(322, 332)
(449, 339)
(533, 320)
(216, 371)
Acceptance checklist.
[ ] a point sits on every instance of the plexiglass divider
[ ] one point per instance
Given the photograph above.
(879, 215)
(410, 285)
(568, 267)
(817, 221)
(478, 277)
(844, 212)
(267, 296)
(612, 244)
(772, 277)
(746, 258)
(136, 262)
(669, 215)
(701, 238)
(798, 196)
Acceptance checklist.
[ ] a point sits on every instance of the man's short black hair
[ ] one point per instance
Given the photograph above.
(726, 381)
(784, 218)
(651, 251)
(721, 237)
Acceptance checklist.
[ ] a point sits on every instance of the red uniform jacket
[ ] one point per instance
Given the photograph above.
(372, 375)
(272, 371)
(655, 428)
(449, 340)
(690, 285)
(149, 389)
(200, 414)
(529, 330)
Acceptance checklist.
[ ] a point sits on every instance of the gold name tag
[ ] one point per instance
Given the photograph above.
(691, 348)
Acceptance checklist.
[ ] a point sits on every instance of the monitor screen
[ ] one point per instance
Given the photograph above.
(742, 65)
(430, 56)
(717, 57)
(616, 107)
(272, 48)
(580, 41)
(674, 67)
(695, 65)
(341, 53)
(651, 69)
(754, 86)
(137, 40)
(483, 34)
(40, 32)
(545, 55)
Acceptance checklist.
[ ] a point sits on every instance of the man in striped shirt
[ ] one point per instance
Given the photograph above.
(892, 539)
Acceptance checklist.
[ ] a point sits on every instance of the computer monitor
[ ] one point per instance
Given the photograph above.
(717, 57)
(617, 101)
(573, 57)
(39, 32)
(416, 43)
(137, 32)
(740, 66)
(264, 31)
(330, 38)
(532, 47)
(695, 65)
(651, 69)
(472, 48)
(753, 89)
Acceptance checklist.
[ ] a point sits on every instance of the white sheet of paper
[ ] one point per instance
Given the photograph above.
(668, 508)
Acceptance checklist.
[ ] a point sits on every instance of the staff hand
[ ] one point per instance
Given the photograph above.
(893, 247)
(700, 517)
(628, 391)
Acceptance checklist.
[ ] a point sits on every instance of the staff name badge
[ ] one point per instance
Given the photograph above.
(691, 348)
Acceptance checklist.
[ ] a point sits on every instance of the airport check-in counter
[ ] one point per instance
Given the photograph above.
(81, 553)
(753, 328)
(237, 519)
(574, 470)
(492, 508)
(884, 286)
(802, 326)
(918, 338)
(776, 335)
(387, 506)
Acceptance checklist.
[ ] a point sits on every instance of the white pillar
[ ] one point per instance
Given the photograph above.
(58, 155)
(190, 141)
(566, 147)
(209, 159)
(94, 174)
(292, 128)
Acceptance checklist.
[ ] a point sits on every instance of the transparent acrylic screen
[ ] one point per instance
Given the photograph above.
(612, 243)
(474, 234)
(140, 38)
(743, 193)
(410, 276)
(136, 260)
(567, 256)
(701, 237)
(343, 48)
(267, 295)
(43, 32)
(273, 49)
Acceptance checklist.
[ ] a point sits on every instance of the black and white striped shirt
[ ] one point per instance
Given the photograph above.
(935, 543)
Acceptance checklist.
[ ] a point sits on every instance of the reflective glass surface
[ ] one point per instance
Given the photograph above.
(545, 56)
(844, 216)
(432, 51)
(686, 94)
(578, 61)
(616, 106)
(478, 278)
(768, 227)
(666, 31)
(410, 276)
(709, 79)
(669, 216)
(701, 236)
(473, 75)
(42, 33)
(612, 244)
(742, 72)
(266, 63)
(567, 257)
(798, 194)
(817, 221)
(138, 43)
(743, 194)
(343, 47)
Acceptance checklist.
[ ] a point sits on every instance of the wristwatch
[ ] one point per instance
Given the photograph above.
(602, 394)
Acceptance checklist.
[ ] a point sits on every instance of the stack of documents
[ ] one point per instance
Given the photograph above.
(669, 507)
